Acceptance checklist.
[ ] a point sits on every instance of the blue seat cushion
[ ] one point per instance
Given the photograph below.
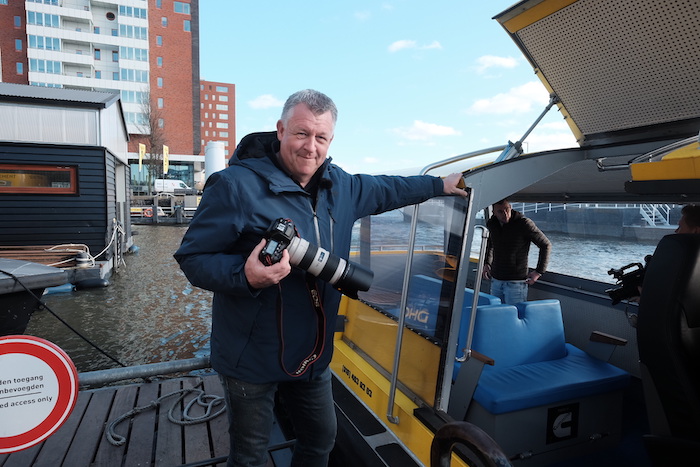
(423, 304)
(577, 375)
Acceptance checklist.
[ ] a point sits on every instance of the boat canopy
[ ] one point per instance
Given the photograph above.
(623, 70)
(626, 77)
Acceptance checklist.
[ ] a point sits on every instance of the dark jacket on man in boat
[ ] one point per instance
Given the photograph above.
(509, 247)
(262, 336)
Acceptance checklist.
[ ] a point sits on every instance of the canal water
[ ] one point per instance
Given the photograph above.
(150, 312)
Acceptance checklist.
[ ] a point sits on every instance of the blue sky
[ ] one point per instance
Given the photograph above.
(414, 81)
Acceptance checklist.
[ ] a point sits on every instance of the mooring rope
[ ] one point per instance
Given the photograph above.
(63, 321)
(208, 401)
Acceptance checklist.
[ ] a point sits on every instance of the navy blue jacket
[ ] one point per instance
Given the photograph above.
(238, 205)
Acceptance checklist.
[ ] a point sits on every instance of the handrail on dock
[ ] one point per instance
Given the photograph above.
(112, 375)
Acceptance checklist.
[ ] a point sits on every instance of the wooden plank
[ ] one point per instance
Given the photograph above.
(54, 449)
(143, 428)
(196, 436)
(107, 454)
(218, 427)
(169, 437)
(82, 450)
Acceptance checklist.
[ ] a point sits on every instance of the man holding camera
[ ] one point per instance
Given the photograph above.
(273, 324)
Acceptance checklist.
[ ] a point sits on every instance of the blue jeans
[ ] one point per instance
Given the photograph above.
(510, 292)
(250, 416)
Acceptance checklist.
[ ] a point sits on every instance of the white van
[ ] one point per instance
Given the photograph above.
(169, 186)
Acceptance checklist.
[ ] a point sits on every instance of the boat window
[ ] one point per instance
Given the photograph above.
(372, 324)
(590, 239)
(39, 179)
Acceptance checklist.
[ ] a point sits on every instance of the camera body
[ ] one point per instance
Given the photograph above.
(628, 282)
(279, 236)
(345, 276)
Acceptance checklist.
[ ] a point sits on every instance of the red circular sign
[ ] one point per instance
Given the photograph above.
(38, 390)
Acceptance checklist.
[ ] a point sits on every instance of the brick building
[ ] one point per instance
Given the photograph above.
(147, 50)
(218, 113)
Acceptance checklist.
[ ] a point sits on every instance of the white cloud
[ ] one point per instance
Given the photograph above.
(422, 131)
(266, 101)
(402, 44)
(362, 15)
(408, 44)
(560, 137)
(520, 99)
(432, 45)
(491, 61)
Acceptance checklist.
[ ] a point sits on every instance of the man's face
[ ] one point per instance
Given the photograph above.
(304, 142)
(684, 228)
(502, 212)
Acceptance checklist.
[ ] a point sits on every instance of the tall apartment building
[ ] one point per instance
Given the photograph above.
(148, 50)
(218, 113)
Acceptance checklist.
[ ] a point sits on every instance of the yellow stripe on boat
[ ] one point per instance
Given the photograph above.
(681, 164)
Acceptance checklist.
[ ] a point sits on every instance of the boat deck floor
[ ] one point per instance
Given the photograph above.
(151, 438)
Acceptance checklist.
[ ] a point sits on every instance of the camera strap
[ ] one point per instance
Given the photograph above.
(320, 332)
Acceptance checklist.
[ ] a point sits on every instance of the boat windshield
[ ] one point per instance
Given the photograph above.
(382, 243)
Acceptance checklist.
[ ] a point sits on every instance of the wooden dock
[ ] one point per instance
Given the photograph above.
(151, 438)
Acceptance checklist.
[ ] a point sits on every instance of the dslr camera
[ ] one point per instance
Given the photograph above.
(629, 279)
(345, 276)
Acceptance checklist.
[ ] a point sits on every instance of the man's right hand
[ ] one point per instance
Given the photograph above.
(260, 276)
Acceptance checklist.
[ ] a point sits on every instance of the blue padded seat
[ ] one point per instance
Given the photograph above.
(423, 303)
(534, 365)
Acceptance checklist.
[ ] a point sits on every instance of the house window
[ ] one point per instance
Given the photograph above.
(20, 68)
(3, 2)
(115, 75)
(98, 54)
(18, 45)
(187, 25)
(96, 29)
(98, 74)
(160, 102)
(164, 21)
(159, 40)
(159, 61)
(115, 56)
(160, 82)
(18, 21)
(181, 7)
(39, 179)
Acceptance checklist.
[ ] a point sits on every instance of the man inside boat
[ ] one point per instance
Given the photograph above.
(273, 324)
(690, 219)
(510, 236)
(689, 223)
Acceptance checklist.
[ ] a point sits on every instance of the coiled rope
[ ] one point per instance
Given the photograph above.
(208, 401)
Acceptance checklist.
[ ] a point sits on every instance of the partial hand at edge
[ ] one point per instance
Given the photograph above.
(451, 185)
